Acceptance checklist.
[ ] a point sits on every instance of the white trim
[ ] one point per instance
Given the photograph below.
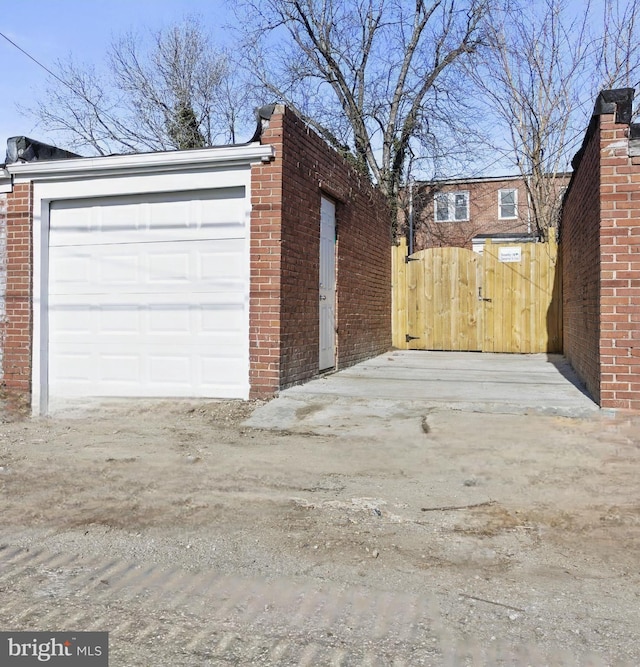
(205, 158)
(101, 185)
(6, 184)
(477, 246)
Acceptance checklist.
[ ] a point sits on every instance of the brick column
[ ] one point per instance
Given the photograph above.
(16, 329)
(620, 268)
(265, 248)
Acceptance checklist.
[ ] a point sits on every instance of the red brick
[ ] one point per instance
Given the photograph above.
(15, 331)
(601, 267)
(285, 228)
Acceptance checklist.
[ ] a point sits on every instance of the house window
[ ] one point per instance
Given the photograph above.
(452, 206)
(507, 204)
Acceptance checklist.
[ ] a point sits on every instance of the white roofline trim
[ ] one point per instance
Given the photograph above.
(223, 156)
(6, 184)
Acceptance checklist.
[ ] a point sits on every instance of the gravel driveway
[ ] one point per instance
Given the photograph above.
(414, 537)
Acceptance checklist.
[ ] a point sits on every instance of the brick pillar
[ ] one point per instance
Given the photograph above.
(16, 329)
(3, 274)
(620, 267)
(265, 248)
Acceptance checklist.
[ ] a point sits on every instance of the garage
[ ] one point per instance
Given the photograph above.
(141, 275)
(148, 295)
(189, 273)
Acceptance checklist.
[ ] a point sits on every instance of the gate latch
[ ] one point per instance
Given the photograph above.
(482, 298)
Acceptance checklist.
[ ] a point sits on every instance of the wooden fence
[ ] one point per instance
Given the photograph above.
(506, 300)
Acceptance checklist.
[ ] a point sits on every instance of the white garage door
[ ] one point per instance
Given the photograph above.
(148, 296)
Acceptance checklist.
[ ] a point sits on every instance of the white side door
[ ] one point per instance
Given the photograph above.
(327, 284)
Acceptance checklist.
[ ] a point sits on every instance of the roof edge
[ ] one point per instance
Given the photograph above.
(618, 101)
(485, 179)
(200, 158)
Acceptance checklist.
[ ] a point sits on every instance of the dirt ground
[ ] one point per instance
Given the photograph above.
(462, 538)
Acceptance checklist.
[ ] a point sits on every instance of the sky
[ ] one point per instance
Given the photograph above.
(51, 30)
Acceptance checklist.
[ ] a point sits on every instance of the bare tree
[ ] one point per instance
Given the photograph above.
(618, 66)
(170, 90)
(539, 78)
(375, 78)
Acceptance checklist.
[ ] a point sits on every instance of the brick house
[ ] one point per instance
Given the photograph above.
(600, 246)
(464, 212)
(232, 271)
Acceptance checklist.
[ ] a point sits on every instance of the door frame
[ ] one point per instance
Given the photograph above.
(327, 286)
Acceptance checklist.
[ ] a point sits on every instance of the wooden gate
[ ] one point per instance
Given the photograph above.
(506, 300)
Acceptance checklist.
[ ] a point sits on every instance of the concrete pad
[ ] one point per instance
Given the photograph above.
(401, 383)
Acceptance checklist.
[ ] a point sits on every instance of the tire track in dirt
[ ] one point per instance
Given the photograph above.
(171, 616)
(205, 617)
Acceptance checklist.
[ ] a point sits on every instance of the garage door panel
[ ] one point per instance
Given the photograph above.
(221, 318)
(157, 372)
(216, 215)
(220, 267)
(71, 365)
(169, 368)
(207, 324)
(212, 232)
(113, 267)
(218, 371)
(186, 266)
(169, 268)
(145, 301)
(118, 368)
(124, 320)
(176, 320)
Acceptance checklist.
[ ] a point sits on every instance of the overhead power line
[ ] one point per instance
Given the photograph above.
(36, 61)
(44, 67)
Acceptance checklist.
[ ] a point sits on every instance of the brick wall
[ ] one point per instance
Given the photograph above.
(15, 330)
(580, 249)
(3, 272)
(620, 268)
(265, 286)
(285, 248)
(600, 236)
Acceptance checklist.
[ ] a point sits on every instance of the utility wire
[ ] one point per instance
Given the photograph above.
(37, 62)
(65, 83)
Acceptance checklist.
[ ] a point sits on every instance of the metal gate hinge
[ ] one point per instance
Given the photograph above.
(408, 338)
(408, 259)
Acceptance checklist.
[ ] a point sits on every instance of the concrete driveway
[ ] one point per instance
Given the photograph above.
(402, 382)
